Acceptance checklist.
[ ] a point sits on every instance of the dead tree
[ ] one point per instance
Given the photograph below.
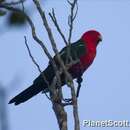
(56, 95)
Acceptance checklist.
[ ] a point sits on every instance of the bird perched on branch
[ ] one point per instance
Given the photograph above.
(83, 50)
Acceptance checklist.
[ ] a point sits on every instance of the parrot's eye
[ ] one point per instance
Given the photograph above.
(98, 42)
(100, 38)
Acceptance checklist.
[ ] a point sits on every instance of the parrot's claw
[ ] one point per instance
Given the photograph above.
(68, 100)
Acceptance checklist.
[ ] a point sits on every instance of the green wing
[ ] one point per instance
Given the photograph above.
(77, 50)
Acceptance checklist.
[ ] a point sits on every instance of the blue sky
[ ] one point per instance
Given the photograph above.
(105, 90)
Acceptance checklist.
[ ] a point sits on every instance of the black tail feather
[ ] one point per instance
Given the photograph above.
(38, 85)
(26, 94)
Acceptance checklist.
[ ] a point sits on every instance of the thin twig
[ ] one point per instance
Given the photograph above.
(29, 52)
(54, 19)
(71, 18)
(67, 104)
(75, 11)
(22, 5)
(14, 3)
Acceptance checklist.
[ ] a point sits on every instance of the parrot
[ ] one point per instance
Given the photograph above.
(83, 50)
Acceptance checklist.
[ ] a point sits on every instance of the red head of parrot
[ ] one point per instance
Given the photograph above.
(92, 37)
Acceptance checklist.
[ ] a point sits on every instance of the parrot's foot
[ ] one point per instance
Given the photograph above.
(67, 103)
(67, 100)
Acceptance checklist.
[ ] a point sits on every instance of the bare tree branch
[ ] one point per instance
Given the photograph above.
(71, 18)
(33, 60)
(45, 23)
(13, 3)
(53, 18)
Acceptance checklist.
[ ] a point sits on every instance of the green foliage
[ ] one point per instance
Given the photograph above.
(2, 12)
(2, 1)
(16, 18)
